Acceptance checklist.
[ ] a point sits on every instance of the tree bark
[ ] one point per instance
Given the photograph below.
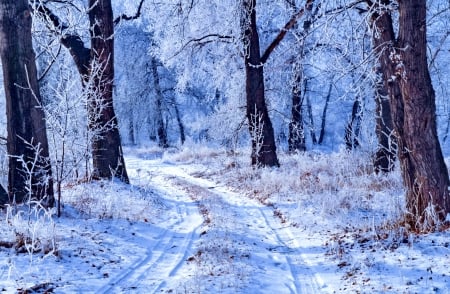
(424, 170)
(263, 144)
(383, 38)
(412, 102)
(27, 137)
(107, 152)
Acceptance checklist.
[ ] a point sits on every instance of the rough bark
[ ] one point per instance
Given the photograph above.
(107, 152)
(27, 137)
(382, 39)
(424, 171)
(403, 63)
(263, 145)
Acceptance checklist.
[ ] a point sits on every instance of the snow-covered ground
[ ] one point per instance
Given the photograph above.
(203, 221)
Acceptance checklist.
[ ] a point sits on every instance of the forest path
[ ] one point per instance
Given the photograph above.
(238, 246)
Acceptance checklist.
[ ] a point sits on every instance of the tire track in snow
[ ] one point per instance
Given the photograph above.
(162, 258)
(285, 250)
(303, 281)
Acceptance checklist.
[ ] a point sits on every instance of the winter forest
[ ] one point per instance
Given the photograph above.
(237, 146)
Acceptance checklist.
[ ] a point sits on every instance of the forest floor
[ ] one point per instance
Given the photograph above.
(204, 222)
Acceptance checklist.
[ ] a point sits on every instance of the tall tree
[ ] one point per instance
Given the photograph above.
(412, 101)
(260, 125)
(261, 130)
(382, 36)
(29, 168)
(106, 148)
(424, 170)
(296, 140)
(96, 67)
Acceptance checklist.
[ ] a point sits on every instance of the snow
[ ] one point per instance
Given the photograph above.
(201, 220)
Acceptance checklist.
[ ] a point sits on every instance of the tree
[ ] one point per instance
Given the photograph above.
(382, 35)
(260, 125)
(263, 144)
(96, 68)
(107, 153)
(405, 73)
(296, 139)
(162, 132)
(29, 172)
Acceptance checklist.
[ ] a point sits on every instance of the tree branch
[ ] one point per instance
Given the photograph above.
(127, 17)
(289, 25)
(203, 40)
(80, 53)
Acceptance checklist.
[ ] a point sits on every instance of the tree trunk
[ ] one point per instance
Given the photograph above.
(96, 68)
(27, 137)
(353, 127)
(296, 140)
(324, 115)
(161, 129)
(382, 36)
(107, 152)
(423, 167)
(413, 110)
(179, 122)
(385, 155)
(260, 125)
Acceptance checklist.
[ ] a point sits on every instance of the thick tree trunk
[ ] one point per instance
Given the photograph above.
(413, 110)
(27, 137)
(260, 125)
(382, 39)
(423, 167)
(107, 152)
(96, 68)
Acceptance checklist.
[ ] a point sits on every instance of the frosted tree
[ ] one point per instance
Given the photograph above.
(30, 174)
(96, 68)
(412, 99)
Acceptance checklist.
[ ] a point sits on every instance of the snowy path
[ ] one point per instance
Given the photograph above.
(240, 246)
(165, 251)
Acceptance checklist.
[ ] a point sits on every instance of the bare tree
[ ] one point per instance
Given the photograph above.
(382, 36)
(107, 148)
(403, 61)
(296, 140)
(96, 67)
(263, 147)
(255, 90)
(29, 167)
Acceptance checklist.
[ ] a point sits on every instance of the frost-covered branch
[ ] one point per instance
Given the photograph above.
(127, 17)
